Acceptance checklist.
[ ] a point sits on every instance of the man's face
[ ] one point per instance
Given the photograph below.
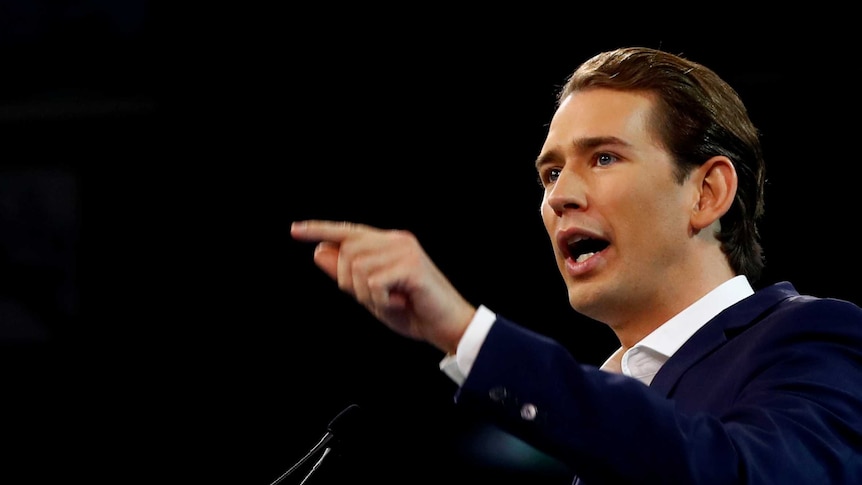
(617, 219)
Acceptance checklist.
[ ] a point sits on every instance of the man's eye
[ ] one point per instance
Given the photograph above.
(548, 176)
(605, 159)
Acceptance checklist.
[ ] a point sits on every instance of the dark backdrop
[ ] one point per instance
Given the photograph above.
(158, 320)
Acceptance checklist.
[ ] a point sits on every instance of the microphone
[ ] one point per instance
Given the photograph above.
(343, 422)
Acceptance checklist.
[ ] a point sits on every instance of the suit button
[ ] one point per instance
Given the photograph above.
(529, 411)
(498, 394)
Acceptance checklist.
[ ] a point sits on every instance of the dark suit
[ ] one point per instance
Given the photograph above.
(768, 392)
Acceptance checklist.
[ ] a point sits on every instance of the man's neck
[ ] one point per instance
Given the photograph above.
(650, 316)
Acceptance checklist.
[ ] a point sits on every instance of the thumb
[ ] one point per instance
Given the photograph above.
(326, 258)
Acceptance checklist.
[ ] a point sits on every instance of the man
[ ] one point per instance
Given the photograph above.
(653, 183)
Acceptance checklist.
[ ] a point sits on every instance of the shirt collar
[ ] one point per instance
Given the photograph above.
(670, 336)
(654, 349)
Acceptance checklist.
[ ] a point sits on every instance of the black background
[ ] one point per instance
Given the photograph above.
(158, 320)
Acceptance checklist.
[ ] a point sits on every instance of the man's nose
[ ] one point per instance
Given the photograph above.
(567, 193)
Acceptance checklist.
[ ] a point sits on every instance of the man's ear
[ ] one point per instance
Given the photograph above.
(715, 188)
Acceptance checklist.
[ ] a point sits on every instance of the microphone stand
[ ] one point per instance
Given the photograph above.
(316, 464)
(345, 420)
(323, 441)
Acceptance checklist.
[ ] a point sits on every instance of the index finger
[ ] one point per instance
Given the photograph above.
(320, 230)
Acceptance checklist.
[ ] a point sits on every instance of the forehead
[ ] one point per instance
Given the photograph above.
(604, 112)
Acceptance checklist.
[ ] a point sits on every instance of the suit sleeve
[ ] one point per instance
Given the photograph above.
(610, 428)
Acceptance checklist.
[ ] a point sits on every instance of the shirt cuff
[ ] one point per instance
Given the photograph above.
(458, 366)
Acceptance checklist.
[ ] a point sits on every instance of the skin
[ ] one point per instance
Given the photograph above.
(605, 175)
(389, 273)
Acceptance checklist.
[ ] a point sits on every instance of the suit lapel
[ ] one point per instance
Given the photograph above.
(725, 326)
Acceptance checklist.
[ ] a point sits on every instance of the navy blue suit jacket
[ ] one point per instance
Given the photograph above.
(768, 392)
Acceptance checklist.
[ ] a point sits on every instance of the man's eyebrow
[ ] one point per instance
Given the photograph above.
(545, 158)
(582, 145)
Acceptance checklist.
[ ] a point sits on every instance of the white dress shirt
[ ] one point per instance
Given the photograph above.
(642, 361)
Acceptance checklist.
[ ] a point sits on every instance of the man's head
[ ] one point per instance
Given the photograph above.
(697, 115)
(652, 166)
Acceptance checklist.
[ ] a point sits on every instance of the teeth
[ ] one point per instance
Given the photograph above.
(577, 239)
(584, 257)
